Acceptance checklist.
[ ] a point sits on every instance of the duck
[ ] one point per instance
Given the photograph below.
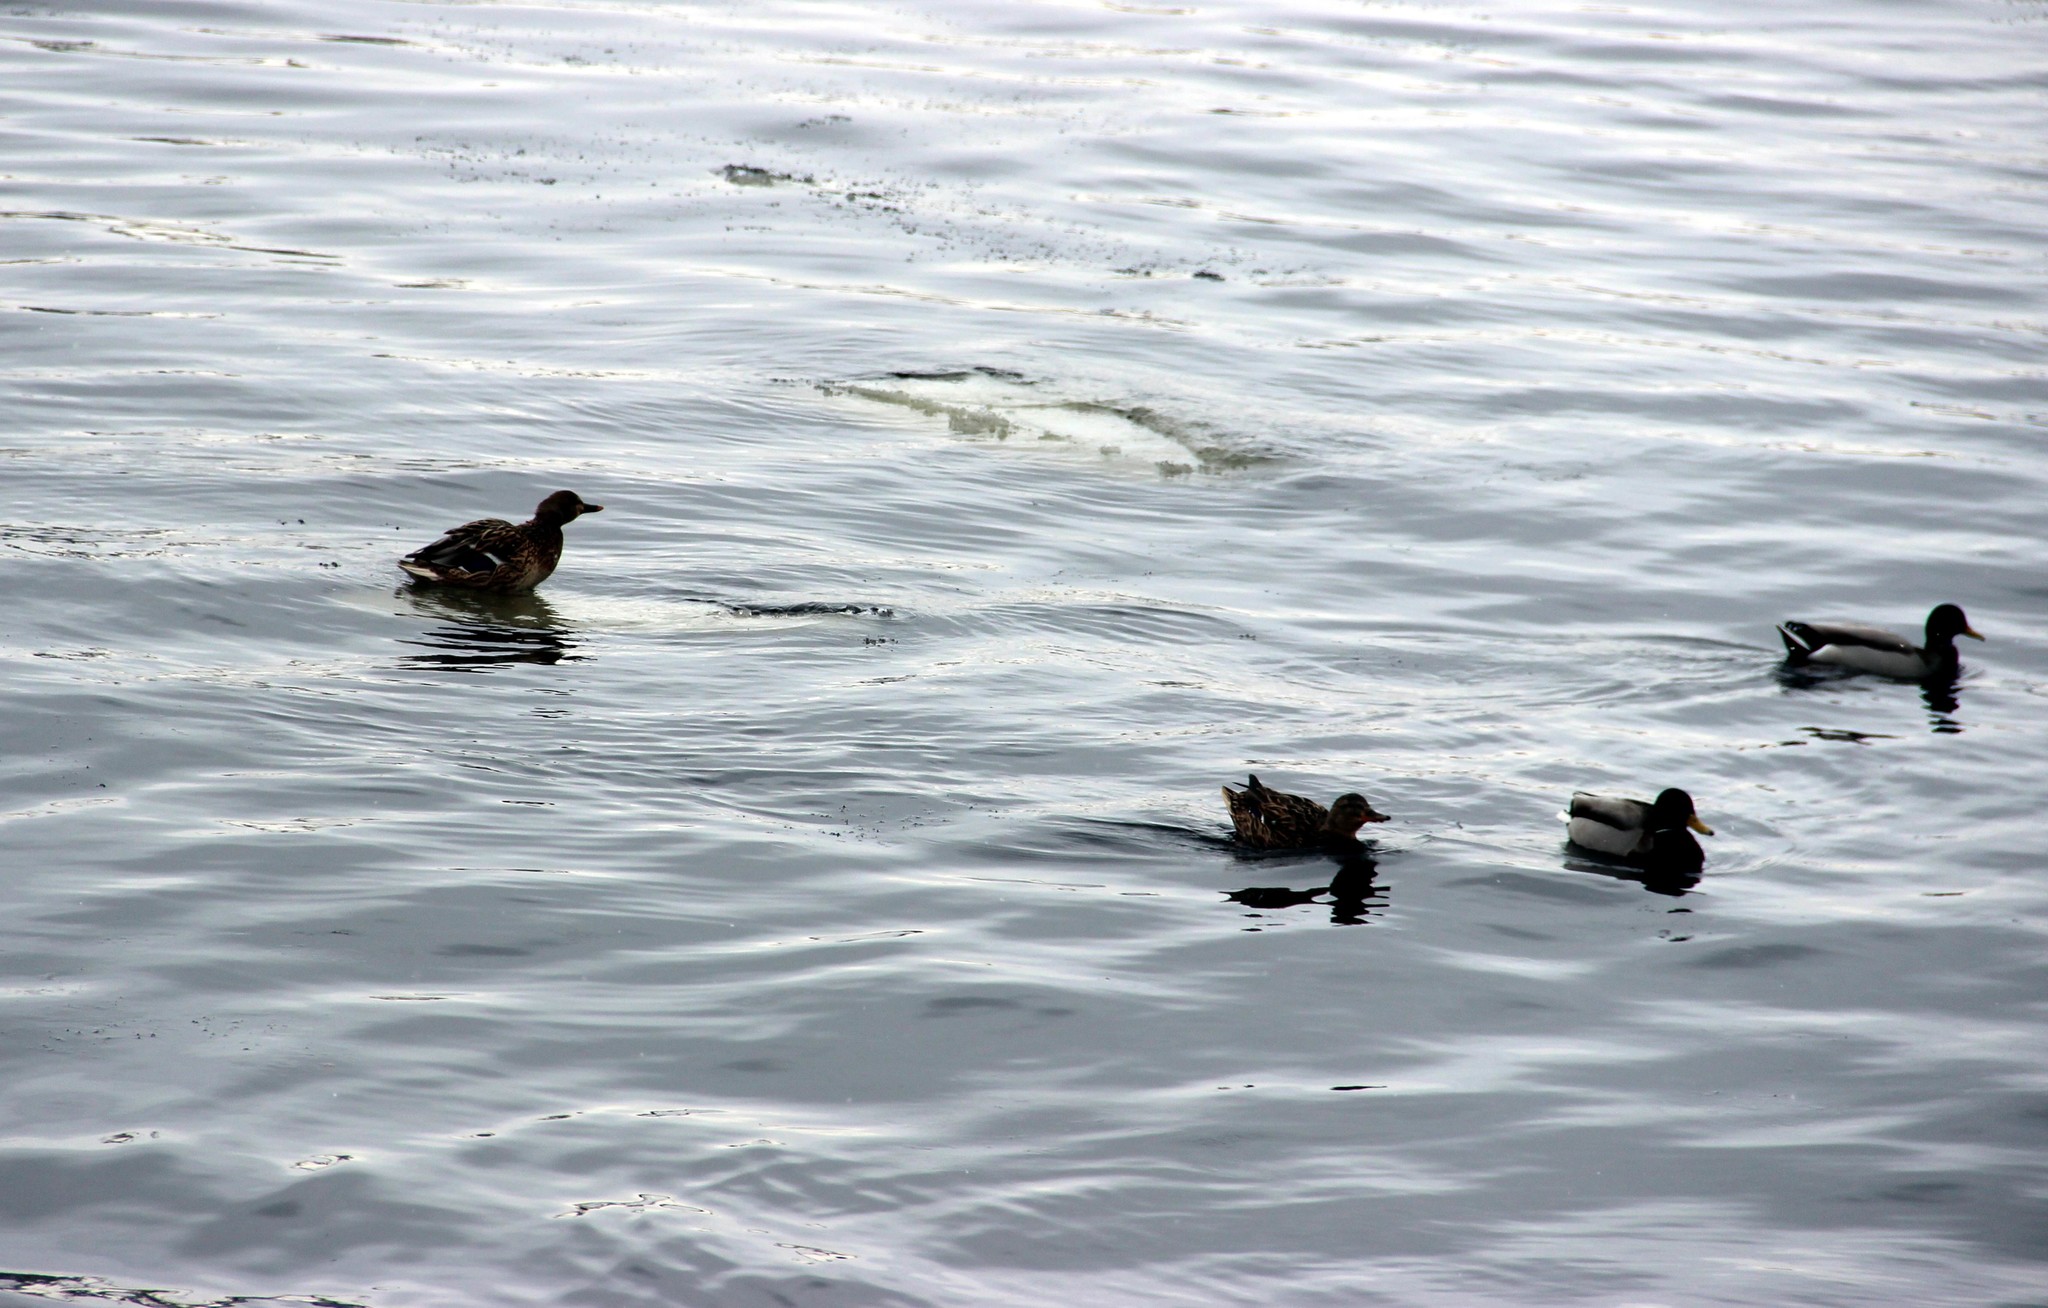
(1271, 819)
(1656, 834)
(1864, 648)
(494, 555)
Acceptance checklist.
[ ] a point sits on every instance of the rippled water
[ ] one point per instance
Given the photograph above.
(1015, 421)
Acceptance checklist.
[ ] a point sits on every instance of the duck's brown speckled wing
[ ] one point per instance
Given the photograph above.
(488, 554)
(1271, 819)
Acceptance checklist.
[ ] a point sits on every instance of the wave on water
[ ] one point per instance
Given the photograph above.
(995, 405)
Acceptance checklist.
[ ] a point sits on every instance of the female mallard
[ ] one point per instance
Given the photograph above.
(1651, 835)
(1873, 649)
(495, 555)
(1269, 819)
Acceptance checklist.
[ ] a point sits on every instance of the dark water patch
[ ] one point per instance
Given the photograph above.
(965, 1004)
(1882, 288)
(1749, 957)
(336, 1210)
(483, 951)
(962, 374)
(748, 175)
(1845, 736)
(104, 313)
(807, 609)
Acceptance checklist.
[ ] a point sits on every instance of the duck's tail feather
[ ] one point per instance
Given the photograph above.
(1244, 813)
(1797, 650)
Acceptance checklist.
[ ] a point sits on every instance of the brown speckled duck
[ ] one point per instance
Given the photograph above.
(492, 554)
(1270, 819)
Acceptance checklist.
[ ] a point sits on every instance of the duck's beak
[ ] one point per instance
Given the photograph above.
(1699, 826)
(1972, 634)
(591, 508)
(1374, 815)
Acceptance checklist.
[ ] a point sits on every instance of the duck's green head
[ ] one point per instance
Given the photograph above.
(1674, 809)
(1947, 622)
(1349, 813)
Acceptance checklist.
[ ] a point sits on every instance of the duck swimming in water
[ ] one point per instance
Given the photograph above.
(1653, 835)
(494, 555)
(1271, 819)
(1873, 649)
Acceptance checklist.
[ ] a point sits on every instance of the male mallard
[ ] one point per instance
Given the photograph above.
(1269, 819)
(1651, 835)
(495, 555)
(1873, 649)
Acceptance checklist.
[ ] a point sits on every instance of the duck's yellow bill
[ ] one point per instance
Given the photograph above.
(1699, 826)
(1972, 633)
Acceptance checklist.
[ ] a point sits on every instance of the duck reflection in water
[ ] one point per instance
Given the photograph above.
(1352, 892)
(1941, 693)
(483, 631)
(1672, 881)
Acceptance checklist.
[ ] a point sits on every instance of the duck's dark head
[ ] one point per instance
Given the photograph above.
(1945, 623)
(1349, 813)
(563, 507)
(1672, 810)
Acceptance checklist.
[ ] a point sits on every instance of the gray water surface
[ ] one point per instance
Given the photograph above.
(1015, 421)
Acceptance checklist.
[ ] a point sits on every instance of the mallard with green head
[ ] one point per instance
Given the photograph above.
(1865, 648)
(1656, 834)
